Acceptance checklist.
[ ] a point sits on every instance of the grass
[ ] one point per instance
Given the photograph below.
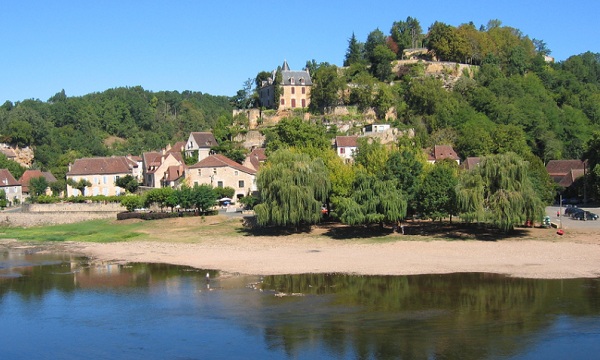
(102, 231)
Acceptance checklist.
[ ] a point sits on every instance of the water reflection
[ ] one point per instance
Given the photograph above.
(159, 310)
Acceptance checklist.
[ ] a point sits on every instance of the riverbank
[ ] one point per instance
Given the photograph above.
(534, 253)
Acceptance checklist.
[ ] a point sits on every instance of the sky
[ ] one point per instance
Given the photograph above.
(87, 46)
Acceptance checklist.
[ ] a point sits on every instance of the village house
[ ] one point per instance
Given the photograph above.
(565, 172)
(295, 89)
(470, 163)
(12, 188)
(376, 128)
(440, 152)
(163, 169)
(200, 143)
(102, 173)
(255, 159)
(220, 171)
(346, 146)
(34, 174)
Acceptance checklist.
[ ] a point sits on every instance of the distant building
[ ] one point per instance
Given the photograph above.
(346, 146)
(163, 168)
(102, 173)
(200, 142)
(220, 171)
(255, 159)
(440, 152)
(12, 188)
(295, 89)
(565, 172)
(376, 128)
(470, 163)
(34, 174)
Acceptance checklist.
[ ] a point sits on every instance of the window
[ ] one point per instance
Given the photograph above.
(292, 81)
(214, 171)
(293, 103)
(282, 101)
(293, 90)
(104, 180)
(219, 184)
(303, 90)
(342, 150)
(235, 173)
(199, 172)
(303, 103)
(241, 183)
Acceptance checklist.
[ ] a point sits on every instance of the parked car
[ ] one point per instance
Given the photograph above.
(572, 210)
(585, 215)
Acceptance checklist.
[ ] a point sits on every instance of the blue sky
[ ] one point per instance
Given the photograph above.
(89, 46)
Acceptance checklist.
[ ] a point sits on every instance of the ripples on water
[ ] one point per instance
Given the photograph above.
(59, 306)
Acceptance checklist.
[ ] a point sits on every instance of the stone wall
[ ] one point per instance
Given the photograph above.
(73, 207)
(41, 219)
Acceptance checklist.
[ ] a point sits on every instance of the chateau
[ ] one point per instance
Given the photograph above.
(295, 89)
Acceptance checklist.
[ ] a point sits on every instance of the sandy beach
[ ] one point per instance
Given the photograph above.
(538, 253)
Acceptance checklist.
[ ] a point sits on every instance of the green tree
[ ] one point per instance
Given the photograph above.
(354, 52)
(499, 191)
(436, 198)
(297, 133)
(373, 201)
(407, 34)
(381, 62)
(326, 89)
(224, 192)
(204, 197)
(38, 186)
(79, 185)
(3, 200)
(293, 188)
(129, 183)
(132, 202)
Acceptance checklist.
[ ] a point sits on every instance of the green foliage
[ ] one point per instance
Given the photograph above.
(3, 200)
(129, 183)
(79, 185)
(249, 201)
(354, 53)
(326, 89)
(38, 186)
(132, 202)
(203, 197)
(158, 196)
(15, 169)
(499, 191)
(224, 192)
(293, 188)
(297, 133)
(372, 201)
(436, 198)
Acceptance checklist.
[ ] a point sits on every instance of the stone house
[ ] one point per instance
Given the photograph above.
(12, 188)
(200, 142)
(163, 169)
(295, 89)
(440, 152)
(102, 173)
(565, 172)
(220, 171)
(255, 159)
(34, 174)
(346, 146)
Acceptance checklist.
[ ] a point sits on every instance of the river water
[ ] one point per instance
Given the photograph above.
(57, 306)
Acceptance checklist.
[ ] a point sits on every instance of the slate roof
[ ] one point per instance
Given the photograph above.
(102, 165)
(6, 179)
(346, 141)
(440, 152)
(34, 174)
(204, 139)
(218, 160)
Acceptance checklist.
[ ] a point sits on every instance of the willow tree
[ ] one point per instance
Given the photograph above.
(499, 192)
(293, 188)
(373, 201)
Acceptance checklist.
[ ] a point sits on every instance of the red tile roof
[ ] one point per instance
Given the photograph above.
(102, 165)
(6, 179)
(34, 174)
(219, 160)
(470, 163)
(562, 167)
(440, 152)
(570, 177)
(346, 141)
